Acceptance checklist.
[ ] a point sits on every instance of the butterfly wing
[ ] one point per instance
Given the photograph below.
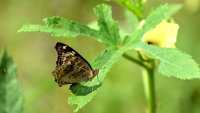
(71, 67)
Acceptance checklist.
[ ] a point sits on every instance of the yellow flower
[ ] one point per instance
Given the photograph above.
(163, 35)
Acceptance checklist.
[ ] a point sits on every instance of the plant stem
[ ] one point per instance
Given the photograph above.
(134, 60)
(149, 87)
(149, 82)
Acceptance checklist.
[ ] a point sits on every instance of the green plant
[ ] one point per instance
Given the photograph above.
(173, 62)
(10, 94)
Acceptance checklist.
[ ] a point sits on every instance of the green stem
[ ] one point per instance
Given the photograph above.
(149, 82)
(134, 60)
(149, 87)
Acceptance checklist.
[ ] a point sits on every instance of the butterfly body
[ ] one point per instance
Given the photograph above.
(71, 67)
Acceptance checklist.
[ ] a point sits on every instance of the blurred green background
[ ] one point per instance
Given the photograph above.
(122, 91)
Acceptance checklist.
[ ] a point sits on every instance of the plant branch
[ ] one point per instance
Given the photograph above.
(148, 71)
(140, 63)
(149, 87)
(148, 80)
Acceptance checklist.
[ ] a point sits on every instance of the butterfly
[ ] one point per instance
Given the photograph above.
(71, 67)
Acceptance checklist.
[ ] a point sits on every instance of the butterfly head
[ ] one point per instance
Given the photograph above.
(60, 47)
(95, 72)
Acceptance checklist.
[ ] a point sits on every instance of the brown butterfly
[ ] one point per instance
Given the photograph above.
(71, 67)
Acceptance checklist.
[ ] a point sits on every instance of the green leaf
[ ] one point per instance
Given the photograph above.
(103, 62)
(10, 94)
(73, 27)
(57, 32)
(80, 101)
(130, 26)
(134, 6)
(173, 63)
(108, 32)
(163, 12)
(83, 90)
(108, 27)
(60, 27)
(132, 20)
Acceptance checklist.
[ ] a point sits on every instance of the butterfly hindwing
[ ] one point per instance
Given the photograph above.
(71, 66)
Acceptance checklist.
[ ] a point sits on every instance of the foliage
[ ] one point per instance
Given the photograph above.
(10, 94)
(172, 61)
(163, 12)
(134, 6)
(103, 62)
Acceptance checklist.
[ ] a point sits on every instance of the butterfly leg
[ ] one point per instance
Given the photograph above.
(59, 83)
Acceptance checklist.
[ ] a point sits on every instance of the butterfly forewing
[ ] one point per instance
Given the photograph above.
(71, 67)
